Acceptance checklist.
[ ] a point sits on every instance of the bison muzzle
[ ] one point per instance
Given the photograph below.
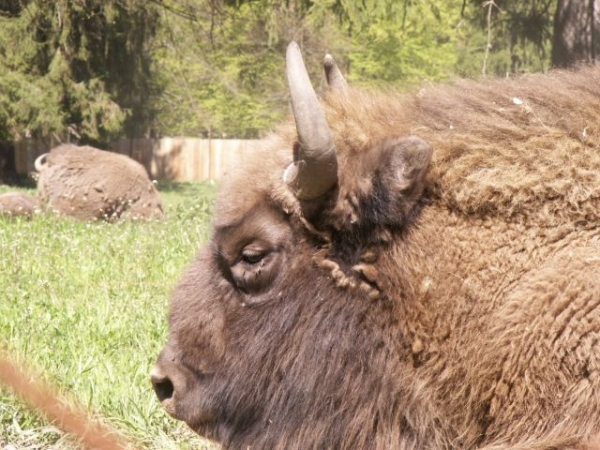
(401, 271)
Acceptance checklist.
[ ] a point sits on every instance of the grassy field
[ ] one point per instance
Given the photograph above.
(84, 304)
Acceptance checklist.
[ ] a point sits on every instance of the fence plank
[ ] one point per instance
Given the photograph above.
(172, 158)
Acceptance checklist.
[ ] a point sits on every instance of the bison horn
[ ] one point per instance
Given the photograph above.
(314, 170)
(40, 162)
(335, 79)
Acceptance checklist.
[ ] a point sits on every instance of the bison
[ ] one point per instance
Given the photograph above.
(18, 204)
(87, 184)
(401, 271)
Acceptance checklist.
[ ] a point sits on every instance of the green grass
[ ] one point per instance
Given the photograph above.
(84, 304)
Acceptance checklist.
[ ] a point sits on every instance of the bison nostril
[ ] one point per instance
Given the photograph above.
(162, 385)
(164, 389)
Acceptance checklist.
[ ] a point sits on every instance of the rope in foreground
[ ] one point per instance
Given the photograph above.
(70, 419)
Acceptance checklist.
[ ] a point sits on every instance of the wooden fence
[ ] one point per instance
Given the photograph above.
(177, 159)
(185, 159)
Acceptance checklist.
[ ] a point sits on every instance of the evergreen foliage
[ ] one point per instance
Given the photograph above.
(75, 70)
(520, 36)
(96, 70)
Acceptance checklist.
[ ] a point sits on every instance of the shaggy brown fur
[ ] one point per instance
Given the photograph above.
(18, 204)
(86, 183)
(454, 309)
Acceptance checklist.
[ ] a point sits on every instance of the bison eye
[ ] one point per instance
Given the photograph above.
(254, 270)
(252, 256)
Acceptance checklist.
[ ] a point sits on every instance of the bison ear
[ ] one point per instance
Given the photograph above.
(400, 179)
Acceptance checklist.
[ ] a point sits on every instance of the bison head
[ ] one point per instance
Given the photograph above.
(280, 336)
(350, 298)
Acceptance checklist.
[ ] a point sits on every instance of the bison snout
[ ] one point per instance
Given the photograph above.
(184, 392)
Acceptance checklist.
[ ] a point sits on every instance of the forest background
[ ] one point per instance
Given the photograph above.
(94, 71)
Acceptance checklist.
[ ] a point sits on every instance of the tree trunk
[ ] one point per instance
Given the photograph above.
(576, 32)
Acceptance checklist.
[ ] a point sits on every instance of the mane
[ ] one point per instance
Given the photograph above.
(522, 148)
